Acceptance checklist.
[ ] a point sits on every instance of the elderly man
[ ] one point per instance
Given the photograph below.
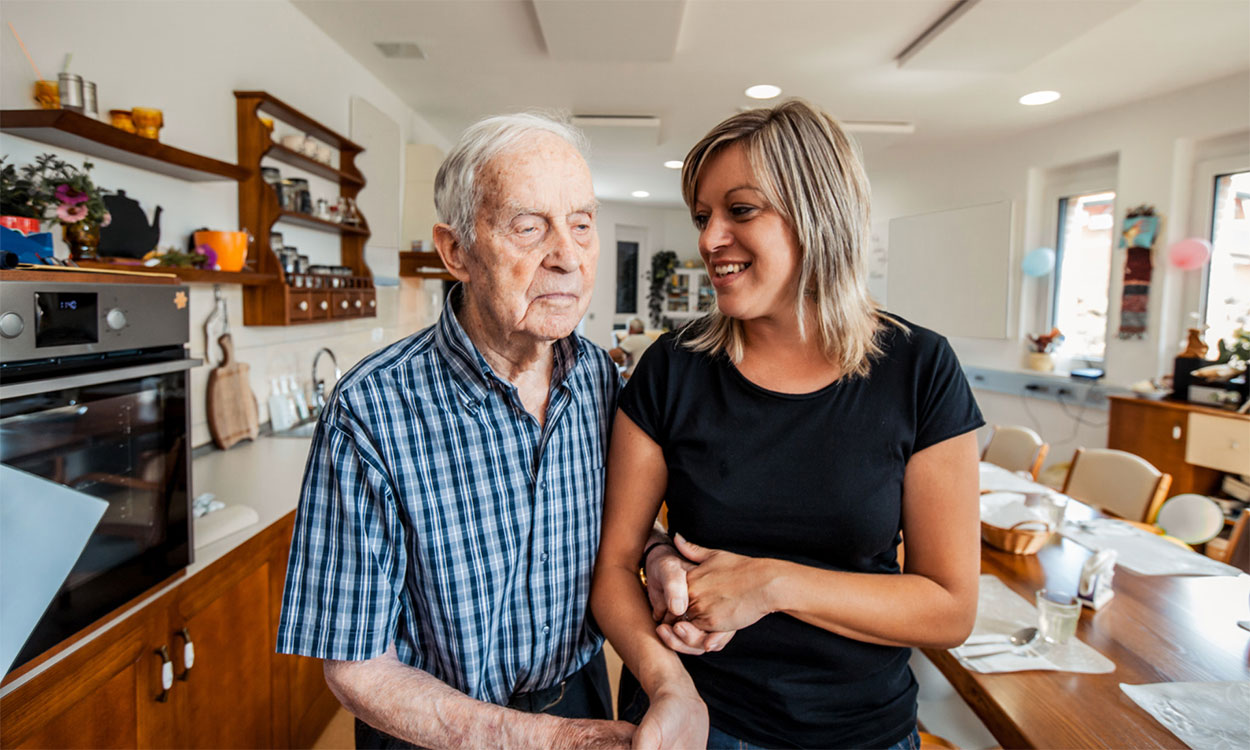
(450, 512)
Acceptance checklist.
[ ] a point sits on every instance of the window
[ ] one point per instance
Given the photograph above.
(1082, 271)
(1227, 285)
(626, 277)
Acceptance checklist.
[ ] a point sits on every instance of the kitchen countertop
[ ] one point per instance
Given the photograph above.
(264, 474)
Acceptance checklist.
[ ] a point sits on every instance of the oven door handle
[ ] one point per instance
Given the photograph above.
(16, 390)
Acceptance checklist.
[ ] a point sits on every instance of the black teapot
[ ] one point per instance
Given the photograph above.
(128, 235)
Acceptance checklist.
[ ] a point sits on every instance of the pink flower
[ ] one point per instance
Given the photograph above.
(69, 196)
(71, 214)
(210, 255)
(108, 219)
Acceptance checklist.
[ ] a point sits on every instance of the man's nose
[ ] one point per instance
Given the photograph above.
(564, 253)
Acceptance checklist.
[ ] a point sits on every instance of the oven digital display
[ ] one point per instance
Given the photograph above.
(64, 318)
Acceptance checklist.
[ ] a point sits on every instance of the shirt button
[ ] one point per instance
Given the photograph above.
(546, 629)
(543, 484)
(544, 557)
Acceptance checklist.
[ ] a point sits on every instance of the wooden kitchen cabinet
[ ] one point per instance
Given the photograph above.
(238, 693)
(1159, 431)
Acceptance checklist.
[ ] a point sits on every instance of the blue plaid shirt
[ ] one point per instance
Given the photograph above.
(437, 514)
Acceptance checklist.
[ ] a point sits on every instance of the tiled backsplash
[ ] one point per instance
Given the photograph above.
(274, 351)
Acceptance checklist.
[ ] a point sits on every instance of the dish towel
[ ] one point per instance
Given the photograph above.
(1203, 715)
(1001, 612)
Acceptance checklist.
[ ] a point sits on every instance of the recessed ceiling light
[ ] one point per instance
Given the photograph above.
(763, 91)
(641, 194)
(674, 164)
(1039, 97)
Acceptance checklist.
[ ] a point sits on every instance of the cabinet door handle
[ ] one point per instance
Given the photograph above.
(188, 654)
(358, 305)
(324, 305)
(167, 674)
(303, 305)
(373, 303)
(1176, 432)
(343, 304)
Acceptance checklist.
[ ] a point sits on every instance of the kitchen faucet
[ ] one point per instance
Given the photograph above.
(319, 386)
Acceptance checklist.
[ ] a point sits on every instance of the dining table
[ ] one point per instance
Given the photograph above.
(1156, 629)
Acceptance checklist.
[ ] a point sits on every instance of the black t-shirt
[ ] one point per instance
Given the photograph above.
(813, 478)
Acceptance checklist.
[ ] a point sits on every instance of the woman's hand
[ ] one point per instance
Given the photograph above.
(727, 591)
(667, 592)
(676, 719)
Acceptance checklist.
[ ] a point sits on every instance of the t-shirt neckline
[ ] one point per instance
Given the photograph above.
(752, 385)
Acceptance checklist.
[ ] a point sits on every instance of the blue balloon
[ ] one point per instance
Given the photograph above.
(1038, 262)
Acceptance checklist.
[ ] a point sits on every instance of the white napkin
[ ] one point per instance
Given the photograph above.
(1001, 612)
(1203, 715)
(1006, 509)
(1142, 552)
(997, 478)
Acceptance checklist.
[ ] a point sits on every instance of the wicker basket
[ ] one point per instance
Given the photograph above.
(1023, 538)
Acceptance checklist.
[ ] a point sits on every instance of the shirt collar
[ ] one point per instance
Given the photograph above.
(469, 366)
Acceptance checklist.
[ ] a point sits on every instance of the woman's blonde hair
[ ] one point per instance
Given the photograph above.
(810, 173)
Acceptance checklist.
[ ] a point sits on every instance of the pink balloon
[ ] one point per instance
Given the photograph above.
(1190, 253)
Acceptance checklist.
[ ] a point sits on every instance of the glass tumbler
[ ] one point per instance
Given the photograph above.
(1057, 615)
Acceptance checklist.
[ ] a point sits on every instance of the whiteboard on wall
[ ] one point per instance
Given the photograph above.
(951, 270)
(380, 164)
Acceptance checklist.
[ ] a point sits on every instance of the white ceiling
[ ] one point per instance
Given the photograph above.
(687, 62)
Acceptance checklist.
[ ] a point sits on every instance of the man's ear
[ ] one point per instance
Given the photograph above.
(451, 251)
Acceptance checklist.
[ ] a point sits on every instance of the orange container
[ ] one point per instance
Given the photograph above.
(231, 247)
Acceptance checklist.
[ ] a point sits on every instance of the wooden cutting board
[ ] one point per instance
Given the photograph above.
(232, 414)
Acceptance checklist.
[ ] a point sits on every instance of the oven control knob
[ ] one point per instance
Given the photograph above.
(116, 319)
(11, 325)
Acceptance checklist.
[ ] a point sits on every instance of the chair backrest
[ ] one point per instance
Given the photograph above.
(1016, 449)
(1237, 553)
(1118, 482)
(1191, 518)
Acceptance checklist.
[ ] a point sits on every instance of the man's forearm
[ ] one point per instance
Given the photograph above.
(415, 706)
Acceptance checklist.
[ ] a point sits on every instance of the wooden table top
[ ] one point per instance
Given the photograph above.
(1155, 629)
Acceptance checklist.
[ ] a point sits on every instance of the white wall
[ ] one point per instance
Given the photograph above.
(1154, 144)
(665, 229)
(186, 58)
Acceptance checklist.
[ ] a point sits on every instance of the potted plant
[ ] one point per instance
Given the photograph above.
(662, 265)
(77, 201)
(1040, 358)
(21, 204)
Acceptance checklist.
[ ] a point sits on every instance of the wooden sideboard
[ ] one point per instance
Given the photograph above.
(1160, 432)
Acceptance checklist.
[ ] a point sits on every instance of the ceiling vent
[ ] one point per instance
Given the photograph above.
(400, 50)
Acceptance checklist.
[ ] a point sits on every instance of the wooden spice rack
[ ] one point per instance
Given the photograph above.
(293, 299)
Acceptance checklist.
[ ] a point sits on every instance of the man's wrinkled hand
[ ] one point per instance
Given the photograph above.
(667, 591)
(591, 734)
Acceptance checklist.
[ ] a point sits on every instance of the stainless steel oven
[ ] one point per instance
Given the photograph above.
(94, 382)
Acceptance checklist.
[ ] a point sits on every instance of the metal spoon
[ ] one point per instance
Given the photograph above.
(1020, 640)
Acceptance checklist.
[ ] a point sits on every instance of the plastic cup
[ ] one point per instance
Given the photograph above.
(1057, 615)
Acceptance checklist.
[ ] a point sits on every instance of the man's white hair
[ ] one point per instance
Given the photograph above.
(457, 187)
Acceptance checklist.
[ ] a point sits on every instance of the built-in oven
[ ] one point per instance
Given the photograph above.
(94, 383)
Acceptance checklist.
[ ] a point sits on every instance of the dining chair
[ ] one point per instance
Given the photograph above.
(1237, 552)
(1190, 517)
(1016, 449)
(1117, 482)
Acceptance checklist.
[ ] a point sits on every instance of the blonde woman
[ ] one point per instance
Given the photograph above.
(797, 434)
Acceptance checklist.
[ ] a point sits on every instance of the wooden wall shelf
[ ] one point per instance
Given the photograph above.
(422, 265)
(280, 302)
(195, 275)
(296, 159)
(77, 132)
(307, 220)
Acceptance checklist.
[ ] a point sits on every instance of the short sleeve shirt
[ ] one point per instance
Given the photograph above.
(438, 514)
(813, 478)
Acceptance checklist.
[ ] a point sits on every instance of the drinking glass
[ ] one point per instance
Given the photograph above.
(1057, 615)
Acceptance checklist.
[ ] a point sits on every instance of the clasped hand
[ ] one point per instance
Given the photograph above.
(700, 597)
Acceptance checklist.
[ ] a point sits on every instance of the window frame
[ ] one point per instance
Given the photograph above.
(1202, 224)
(1101, 178)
